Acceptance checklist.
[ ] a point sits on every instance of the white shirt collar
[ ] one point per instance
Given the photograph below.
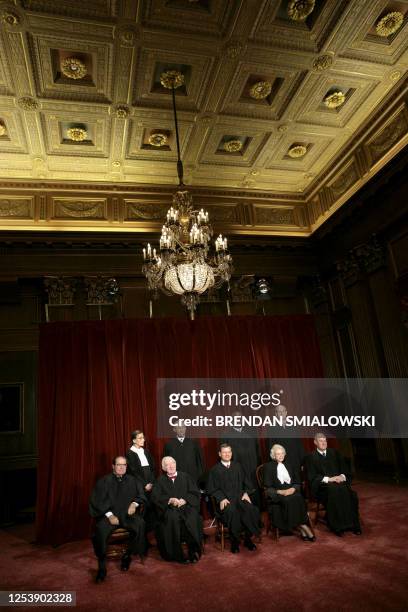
(283, 474)
(136, 449)
(321, 452)
(180, 439)
(226, 463)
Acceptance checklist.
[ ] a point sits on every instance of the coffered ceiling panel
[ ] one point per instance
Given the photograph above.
(213, 18)
(49, 54)
(293, 103)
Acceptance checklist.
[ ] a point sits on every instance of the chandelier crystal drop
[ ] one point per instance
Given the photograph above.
(186, 263)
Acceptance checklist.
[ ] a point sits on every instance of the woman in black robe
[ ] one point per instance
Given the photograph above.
(141, 464)
(286, 506)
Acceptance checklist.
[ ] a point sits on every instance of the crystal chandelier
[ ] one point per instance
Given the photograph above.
(183, 264)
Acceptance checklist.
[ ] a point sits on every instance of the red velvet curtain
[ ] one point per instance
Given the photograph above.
(97, 383)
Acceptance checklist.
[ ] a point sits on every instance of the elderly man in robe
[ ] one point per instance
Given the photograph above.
(177, 499)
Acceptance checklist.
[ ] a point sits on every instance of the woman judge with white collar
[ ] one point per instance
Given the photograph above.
(140, 461)
(286, 506)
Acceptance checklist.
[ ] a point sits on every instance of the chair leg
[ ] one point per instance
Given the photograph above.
(222, 538)
(309, 522)
(317, 513)
(277, 533)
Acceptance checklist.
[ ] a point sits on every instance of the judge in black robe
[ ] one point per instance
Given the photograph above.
(245, 451)
(114, 503)
(141, 464)
(228, 486)
(295, 451)
(293, 446)
(187, 453)
(286, 505)
(330, 483)
(177, 499)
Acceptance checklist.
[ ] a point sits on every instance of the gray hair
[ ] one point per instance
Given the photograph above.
(318, 435)
(165, 460)
(276, 447)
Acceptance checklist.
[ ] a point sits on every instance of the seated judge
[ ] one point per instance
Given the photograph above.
(186, 452)
(227, 484)
(114, 503)
(330, 483)
(177, 499)
(293, 446)
(286, 505)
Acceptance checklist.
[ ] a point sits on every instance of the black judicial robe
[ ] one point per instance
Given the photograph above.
(245, 451)
(230, 483)
(135, 467)
(176, 525)
(286, 512)
(295, 452)
(113, 494)
(188, 456)
(340, 500)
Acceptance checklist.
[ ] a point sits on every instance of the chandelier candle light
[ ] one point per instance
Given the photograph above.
(184, 264)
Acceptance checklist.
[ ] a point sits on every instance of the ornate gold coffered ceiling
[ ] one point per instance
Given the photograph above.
(312, 95)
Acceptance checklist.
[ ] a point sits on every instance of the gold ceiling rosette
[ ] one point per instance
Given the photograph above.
(158, 139)
(77, 134)
(298, 10)
(73, 68)
(233, 146)
(390, 23)
(335, 99)
(171, 79)
(260, 90)
(9, 18)
(297, 151)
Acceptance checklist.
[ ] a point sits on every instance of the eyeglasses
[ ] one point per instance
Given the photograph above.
(120, 464)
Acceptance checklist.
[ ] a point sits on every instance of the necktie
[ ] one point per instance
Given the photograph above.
(324, 453)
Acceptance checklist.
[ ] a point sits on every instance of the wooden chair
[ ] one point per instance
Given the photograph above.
(221, 531)
(119, 539)
(268, 522)
(313, 504)
(117, 543)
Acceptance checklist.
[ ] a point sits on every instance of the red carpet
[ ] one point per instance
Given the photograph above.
(369, 572)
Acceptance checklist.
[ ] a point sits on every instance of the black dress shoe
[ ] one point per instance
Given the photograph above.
(311, 538)
(339, 534)
(235, 546)
(194, 556)
(125, 563)
(101, 575)
(249, 545)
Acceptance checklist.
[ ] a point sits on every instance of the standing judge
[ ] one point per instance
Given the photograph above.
(245, 451)
(286, 505)
(227, 484)
(140, 461)
(141, 464)
(186, 452)
(293, 446)
(114, 503)
(177, 499)
(330, 483)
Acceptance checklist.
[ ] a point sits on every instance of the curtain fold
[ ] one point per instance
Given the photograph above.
(97, 383)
